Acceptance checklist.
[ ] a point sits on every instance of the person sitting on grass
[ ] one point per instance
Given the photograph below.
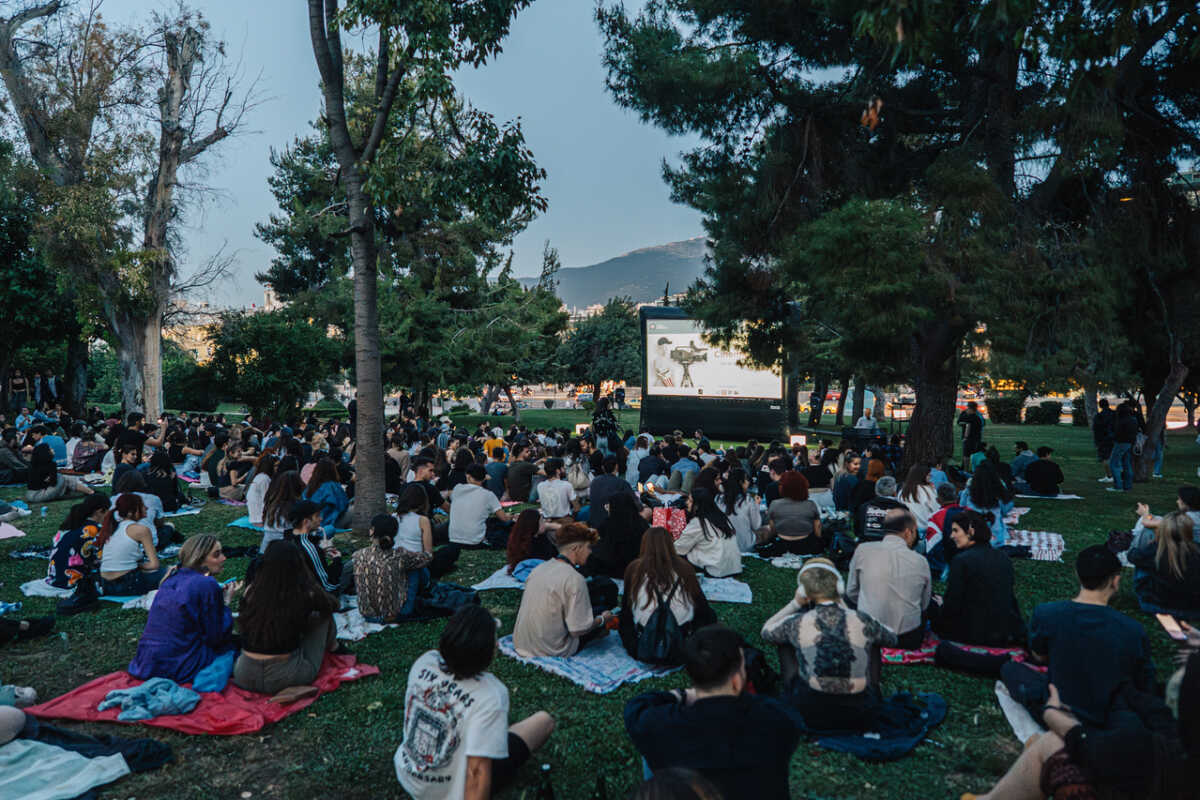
(556, 617)
(129, 562)
(388, 578)
(162, 482)
(45, 483)
(530, 537)
(75, 559)
(793, 520)
(1044, 476)
(326, 491)
(457, 740)
(12, 464)
(891, 583)
(845, 479)
(709, 540)
(979, 606)
(286, 624)
(827, 652)
(557, 496)
(1092, 650)
(939, 545)
(471, 508)
(741, 742)
(866, 487)
(988, 495)
(285, 490)
(620, 538)
(256, 495)
(324, 561)
(135, 483)
(1166, 577)
(190, 623)
(659, 575)
(1187, 500)
(1154, 756)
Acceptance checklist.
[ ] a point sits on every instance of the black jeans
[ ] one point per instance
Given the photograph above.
(823, 711)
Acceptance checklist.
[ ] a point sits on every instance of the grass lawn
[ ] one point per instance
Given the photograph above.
(342, 746)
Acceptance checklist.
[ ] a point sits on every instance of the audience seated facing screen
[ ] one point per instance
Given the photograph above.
(988, 495)
(919, 495)
(939, 545)
(828, 653)
(45, 483)
(532, 537)
(556, 617)
(866, 489)
(471, 508)
(285, 621)
(868, 519)
(741, 742)
(889, 582)
(620, 538)
(324, 563)
(129, 562)
(845, 479)
(475, 752)
(979, 606)
(741, 507)
(659, 575)
(1092, 650)
(189, 623)
(1166, 577)
(1043, 476)
(387, 577)
(708, 540)
(325, 489)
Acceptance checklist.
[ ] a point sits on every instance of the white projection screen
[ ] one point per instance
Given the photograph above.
(679, 363)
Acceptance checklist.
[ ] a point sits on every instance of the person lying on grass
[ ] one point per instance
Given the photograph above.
(457, 740)
(189, 623)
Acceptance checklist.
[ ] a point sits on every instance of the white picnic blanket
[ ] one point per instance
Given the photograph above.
(351, 626)
(718, 590)
(1056, 497)
(786, 561)
(600, 667)
(39, 588)
(1019, 719)
(1043, 545)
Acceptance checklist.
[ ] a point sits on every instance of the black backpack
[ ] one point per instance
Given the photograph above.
(660, 640)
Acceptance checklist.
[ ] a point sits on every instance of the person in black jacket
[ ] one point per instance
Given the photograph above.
(1103, 430)
(1044, 476)
(979, 606)
(1166, 576)
(1121, 461)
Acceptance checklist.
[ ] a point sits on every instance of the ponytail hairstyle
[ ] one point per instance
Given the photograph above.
(384, 528)
(128, 507)
(80, 512)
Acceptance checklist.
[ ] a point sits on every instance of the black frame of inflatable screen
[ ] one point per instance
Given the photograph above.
(717, 416)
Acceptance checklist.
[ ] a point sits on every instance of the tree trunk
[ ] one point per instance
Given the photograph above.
(880, 409)
(858, 399)
(490, 393)
(930, 433)
(1091, 404)
(129, 337)
(152, 385)
(820, 389)
(1156, 420)
(841, 403)
(512, 401)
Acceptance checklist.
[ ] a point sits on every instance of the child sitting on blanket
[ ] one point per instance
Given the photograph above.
(190, 623)
(556, 617)
(828, 653)
(457, 740)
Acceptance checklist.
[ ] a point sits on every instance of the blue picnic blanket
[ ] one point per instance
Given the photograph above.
(904, 721)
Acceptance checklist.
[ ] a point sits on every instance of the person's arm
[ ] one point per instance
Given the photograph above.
(142, 535)
(643, 713)
(426, 534)
(159, 435)
(773, 629)
(755, 515)
(817, 527)
(578, 613)
(1057, 717)
(688, 538)
(954, 599)
(479, 778)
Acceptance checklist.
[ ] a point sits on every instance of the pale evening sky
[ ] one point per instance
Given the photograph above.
(603, 182)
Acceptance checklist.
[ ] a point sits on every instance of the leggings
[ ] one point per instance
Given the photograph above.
(300, 668)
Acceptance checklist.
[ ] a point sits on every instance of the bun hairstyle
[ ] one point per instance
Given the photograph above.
(820, 578)
(384, 528)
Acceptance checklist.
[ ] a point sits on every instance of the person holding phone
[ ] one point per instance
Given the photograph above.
(1166, 577)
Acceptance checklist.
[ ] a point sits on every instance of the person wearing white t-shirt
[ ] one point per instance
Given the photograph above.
(471, 504)
(457, 740)
(556, 495)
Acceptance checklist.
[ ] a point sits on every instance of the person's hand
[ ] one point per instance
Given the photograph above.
(1143, 510)
(334, 552)
(1054, 698)
(230, 590)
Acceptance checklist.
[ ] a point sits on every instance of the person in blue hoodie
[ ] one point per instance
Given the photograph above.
(326, 490)
(190, 623)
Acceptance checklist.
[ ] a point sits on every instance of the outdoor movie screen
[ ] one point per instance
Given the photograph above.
(679, 363)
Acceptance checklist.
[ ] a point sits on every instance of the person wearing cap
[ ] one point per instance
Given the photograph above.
(891, 583)
(1093, 651)
(827, 652)
(556, 617)
(1044, 476)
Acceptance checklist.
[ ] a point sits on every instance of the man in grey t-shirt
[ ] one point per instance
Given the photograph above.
(471, 504)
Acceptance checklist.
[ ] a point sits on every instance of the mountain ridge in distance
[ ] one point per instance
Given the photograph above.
(639, 274)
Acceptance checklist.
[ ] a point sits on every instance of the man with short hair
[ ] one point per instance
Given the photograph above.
(497, 471)
(868, 520)
(741, 742)
(1104, 429)
(520, 474)
(422, 470)
(776, 468)
(471, 509)
(1093, 651)
(1023, 459)
(891, 583)
(865, 423)
(604, 488)
(1044, 476)
(556, 495)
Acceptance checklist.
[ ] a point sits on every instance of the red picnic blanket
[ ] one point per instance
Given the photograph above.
(924, 653)
(227, 713)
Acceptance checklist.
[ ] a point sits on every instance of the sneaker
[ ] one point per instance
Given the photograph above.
(23, 512)
(1104, 480)
(1113, 489)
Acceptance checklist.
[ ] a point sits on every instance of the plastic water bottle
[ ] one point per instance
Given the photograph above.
(45, 511)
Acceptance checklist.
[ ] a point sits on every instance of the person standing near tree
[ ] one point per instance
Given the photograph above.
(1125, 433)
(971, 423)
(1103, 436)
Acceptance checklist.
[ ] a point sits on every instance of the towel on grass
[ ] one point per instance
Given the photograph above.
(925, 653)
(9, 532)
(39, 588)
(35, 770)
(1055, 497)
(718, 590)
(33, 553)
(157, 697)
(904, 721)
(228, 713)
(244, 522)
(1043, 545)
(186, 511)
(600, 667)
(1019, 719)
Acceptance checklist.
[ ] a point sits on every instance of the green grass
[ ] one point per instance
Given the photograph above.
(342, 746)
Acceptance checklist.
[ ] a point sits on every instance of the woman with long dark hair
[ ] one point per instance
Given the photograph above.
(325, 489)
(256, 495)
(163, 483)
(286, 489)
(620, 538)
(528, 539)
(741, 507)
(988, 495)
(76, 556)
(660, 575)
(129, 563)
(979, 606)
(919, 496)
(709, 540)
(45, 483)
(286, 624)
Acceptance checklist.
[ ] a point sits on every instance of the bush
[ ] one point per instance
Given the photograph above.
(1005, 410)
(588, 405)
(460, 408)
(1048, 412)
(1079, 412)
(548, 403)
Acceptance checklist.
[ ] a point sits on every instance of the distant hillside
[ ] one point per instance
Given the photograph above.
(640, 275)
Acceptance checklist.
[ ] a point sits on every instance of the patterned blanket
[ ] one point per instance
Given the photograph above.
(599, 668)
(717, 590)
(1043, 545)
(924, 653)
